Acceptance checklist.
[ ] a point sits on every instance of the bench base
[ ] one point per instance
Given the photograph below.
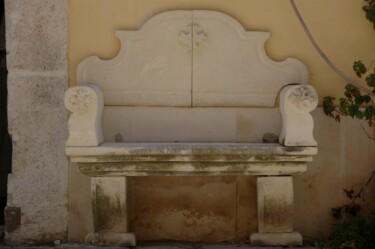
(110, 238)
(276, 239)
(109, 166)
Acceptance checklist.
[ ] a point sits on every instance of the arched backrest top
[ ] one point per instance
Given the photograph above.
(191, 58)
(169, 16)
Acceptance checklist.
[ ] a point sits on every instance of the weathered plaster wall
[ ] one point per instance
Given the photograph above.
(345, 159)
(37, 43)
(224, 208)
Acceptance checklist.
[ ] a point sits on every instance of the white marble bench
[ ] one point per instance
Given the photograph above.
(178, 63)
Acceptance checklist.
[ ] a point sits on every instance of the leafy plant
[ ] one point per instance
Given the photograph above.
(353, 233)
(353, 230)
(352, 208)
(355, 103)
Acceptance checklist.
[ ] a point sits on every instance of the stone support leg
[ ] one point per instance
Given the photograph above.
(275, 213)
(109, 201)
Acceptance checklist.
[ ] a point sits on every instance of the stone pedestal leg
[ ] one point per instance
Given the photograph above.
(275, 213)
(109, 202)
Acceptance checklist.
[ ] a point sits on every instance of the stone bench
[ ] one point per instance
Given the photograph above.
(170, 103)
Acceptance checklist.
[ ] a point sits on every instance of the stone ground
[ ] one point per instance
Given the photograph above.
(155, 246)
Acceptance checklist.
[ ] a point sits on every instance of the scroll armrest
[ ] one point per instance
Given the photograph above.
(85, 123)
(296, 103)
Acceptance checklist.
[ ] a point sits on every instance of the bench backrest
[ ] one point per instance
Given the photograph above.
(185, 76)
(191, 59)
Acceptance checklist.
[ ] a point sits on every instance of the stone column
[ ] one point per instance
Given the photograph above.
(110, 212)
(37, 49)
(275, 213)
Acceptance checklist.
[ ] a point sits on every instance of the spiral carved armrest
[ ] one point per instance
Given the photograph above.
(85, 123)
(296, 103)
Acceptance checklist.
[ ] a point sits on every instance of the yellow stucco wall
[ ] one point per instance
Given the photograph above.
(338, 26)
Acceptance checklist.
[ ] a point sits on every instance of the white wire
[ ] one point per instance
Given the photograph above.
(324, 56)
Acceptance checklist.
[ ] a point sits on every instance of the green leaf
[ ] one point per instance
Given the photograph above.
(359, 100)
(328, 105)
(336, 213)
(369, 8)
(328, 99)
(360, 115)
(370, 80)
(351, 91)
(352, 110)
(369, 112)
(359, 68)
(343, 110)
(344, 105)
(366, 98)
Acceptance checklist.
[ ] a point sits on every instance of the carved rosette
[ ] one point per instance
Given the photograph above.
(78, 99)
(302, 98)
(86, 104)
(296, 103)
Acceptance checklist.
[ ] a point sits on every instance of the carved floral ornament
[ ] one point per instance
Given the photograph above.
(78, 99)
(185, 36)
(304, 98)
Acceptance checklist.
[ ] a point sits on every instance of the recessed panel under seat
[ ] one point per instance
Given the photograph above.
(169, 124)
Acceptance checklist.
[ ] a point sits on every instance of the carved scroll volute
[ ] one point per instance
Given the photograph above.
(296, 103)
(85, 123)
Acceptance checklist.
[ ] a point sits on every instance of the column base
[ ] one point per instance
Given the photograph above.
(276, 239)
(108, 238)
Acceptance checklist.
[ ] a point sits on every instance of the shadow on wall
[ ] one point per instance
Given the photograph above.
(5, 141)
